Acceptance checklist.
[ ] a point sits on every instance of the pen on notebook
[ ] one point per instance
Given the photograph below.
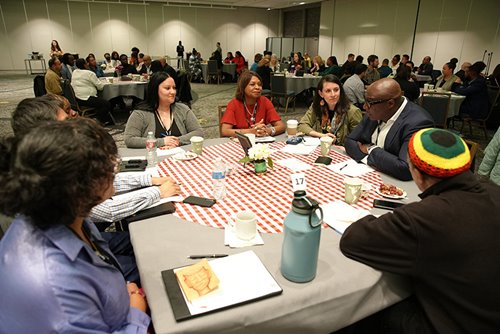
(343, 167)
(207, 256)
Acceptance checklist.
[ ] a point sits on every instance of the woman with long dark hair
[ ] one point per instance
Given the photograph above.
(331, 113)
(55, 49)
(54, 263)
(172, 123)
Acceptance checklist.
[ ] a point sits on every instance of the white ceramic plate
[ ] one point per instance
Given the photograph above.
(377, 190)
(183, 156)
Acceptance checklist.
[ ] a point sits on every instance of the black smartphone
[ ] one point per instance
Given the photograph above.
(200, 201)
(387, 205)
(323, 161)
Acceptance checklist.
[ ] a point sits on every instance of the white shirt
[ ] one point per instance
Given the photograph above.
(355, 89)
(380, 133)
(85, 84)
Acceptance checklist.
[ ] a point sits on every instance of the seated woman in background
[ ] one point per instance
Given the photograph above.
(172, 123)
(55, 49)
(239, 60)
(229, 58)
(331, 113)
(447, 79)
(297, 63)
(274, 64)
(410, 88)
(53, 261)
(249, 112)
(318, 65)
(264, 71)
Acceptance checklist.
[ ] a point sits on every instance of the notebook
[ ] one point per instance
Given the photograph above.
(243, 279)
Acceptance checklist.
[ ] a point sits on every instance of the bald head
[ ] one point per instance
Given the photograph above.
(384, 89)
(465, 66)
(385, 94)
(147, 60)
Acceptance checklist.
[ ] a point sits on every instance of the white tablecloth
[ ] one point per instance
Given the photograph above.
(124, 88)
(299, 84)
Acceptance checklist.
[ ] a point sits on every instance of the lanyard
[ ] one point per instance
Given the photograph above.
(252, 118)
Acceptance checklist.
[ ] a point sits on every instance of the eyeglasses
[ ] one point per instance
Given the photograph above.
(372, 103)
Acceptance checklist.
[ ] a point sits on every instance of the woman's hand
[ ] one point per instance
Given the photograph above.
(137, 299)
(171, 141)
(261, 130)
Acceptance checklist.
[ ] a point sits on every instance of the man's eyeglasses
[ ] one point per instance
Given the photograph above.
(372, 103)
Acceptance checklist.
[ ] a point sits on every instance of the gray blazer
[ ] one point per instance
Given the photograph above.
(141, 122)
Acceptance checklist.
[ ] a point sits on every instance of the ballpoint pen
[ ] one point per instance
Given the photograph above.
(343, 167)
(208, 256)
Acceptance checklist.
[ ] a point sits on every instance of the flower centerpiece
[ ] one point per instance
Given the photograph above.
(260, 155)
(118, 70)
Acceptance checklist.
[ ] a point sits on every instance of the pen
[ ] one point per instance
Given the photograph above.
(343, 167)
(208, 256)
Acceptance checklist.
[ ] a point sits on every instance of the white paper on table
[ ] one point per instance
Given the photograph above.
(172, 151)
(266, 139)
(350, 168)
(298, 149)
(243, 277)
(293, 164)
(339, 215)
(231, 240)
(311, 141)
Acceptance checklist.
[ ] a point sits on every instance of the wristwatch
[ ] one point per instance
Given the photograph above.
(273, 130)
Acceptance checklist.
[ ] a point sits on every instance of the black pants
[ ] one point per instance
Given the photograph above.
(102, 107)
(405, 317)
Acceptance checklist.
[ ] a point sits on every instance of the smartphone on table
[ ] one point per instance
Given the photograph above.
(200, 201)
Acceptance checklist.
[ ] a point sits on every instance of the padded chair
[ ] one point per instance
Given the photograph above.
(278, 89)
(39, 85)
(222, 110)
(213, 71)
(493, 93)
(437, 104)
(435, 74)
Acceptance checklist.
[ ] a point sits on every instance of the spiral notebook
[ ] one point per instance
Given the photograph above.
(243, 279)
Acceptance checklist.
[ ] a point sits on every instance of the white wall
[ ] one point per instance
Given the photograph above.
(80, 27)
(446, 29)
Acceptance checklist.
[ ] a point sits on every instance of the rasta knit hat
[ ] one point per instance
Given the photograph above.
(439, 153)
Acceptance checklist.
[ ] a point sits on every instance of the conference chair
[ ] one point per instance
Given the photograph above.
(493, 93)
(39, 85)
(436, 104)
(279, 90)
(222, 110)
(213, 71)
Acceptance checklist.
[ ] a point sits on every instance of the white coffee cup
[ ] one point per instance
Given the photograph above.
(245, 225)
(326, 142)
(251, 136)
(353, 189)
(431, 87)
(291, 127)
(426, 87)
(197, 144)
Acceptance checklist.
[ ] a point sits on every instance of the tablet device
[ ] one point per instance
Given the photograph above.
(244, 142)
(158, 210)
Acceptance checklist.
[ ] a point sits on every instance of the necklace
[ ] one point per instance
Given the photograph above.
(251, 114)
(167, 131)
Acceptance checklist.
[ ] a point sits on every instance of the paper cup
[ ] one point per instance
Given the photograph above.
(197, 144)
(246, 225)
(353, 188)
(291, 127)
(326, 143)
(251, 136)
(426, 87)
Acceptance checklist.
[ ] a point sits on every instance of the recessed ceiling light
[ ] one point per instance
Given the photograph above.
(302, 3)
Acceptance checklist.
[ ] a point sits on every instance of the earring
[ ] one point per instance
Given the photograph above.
(322, 102)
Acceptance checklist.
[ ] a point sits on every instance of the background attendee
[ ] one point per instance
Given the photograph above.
(359, 59)
(264, 71)
(146, 66)
(332, 67)
(381, 139)
(195, 66)
(447, 79)
(448, 255)
(297, 63)
(249, 112)
(56, 174)
(318, 65)
(350, 59)
(124, 68)
(476, 104)
(410, 88)
(395, 63)
(404, 59)
(134, 57)
(426, 67)
(463, 71)
(115, 58)
(385, 70)
(229, 57)
(53, 77)
(108, 62)
(308, 62)
(92, 63)
(354, 86)
(55, 49)
(239, 60)
(372, 73)
(490, 166)
(494, 78)
(274, 64)
(256, 59)
(68, 66)
(172, 123)
(331, 113)
(180, 53)
(86, 84)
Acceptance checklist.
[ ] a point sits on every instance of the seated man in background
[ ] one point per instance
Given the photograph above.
(354, 86)
(463, 71)
(449, 255)
(146, 66)
(476, 104)
(92, 62)
(372, 73)
(381, 139)
(68, 65)
(426, 67)
(53, 77)
(124, 68)
(385, 70)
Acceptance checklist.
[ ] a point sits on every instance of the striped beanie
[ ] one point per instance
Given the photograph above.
(439, 153)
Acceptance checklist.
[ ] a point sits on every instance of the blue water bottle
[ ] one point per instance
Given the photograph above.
(302, 232)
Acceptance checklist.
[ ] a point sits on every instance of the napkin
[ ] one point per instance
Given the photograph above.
(350, 168)
(339, 215)
(311, 141)
(295, 165)
(298, 149)
(231, 240)
(172, 151)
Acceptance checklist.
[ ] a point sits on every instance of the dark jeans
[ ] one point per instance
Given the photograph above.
(121, 247)
(405, 317)
(102, 107)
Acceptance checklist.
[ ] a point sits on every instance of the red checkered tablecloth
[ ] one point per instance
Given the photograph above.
(269, 195)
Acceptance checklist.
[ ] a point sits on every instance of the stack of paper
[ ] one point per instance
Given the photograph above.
(295, 165)
(351, 168)
(163, 153)
(340, 215)
(298, 149)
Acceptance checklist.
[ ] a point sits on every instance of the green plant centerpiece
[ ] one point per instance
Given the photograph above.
(260, 156)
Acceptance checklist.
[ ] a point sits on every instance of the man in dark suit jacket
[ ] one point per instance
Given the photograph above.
(476, 104)
(146, 67)
(381, 139)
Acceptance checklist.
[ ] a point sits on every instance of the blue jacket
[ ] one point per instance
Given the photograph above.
(476, 103)
(391, 159)
(54, 283)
